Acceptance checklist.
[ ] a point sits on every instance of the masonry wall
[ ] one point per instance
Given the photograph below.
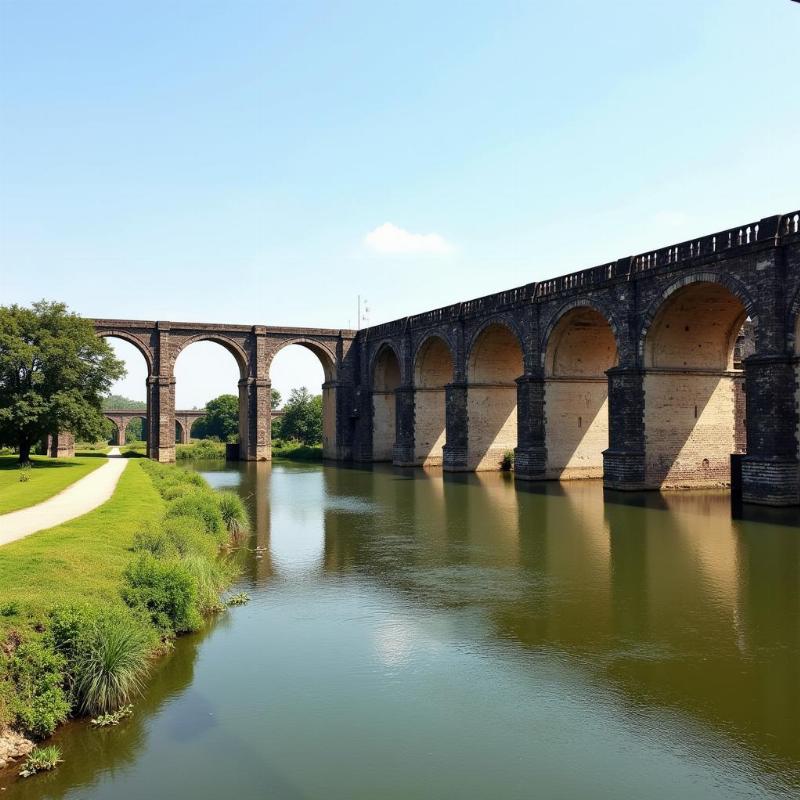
(492, 420)
(429, 425)
(329, 421)
(576, 427)
(689, 429)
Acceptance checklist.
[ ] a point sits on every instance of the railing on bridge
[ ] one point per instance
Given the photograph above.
(627, 268)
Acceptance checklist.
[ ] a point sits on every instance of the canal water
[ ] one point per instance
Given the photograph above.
(414, 635)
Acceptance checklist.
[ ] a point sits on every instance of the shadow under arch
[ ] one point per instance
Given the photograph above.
(385, 377)
(580, 346)
(694, 397)
(495, 361)
(433, 370)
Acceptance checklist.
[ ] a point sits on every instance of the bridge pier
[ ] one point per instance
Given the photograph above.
(530, 454)
(624, 460)
(403, 451)
(770, 469)
(61, 444)
(454, 452)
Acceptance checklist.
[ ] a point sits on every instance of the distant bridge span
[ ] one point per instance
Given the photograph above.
(625, 371)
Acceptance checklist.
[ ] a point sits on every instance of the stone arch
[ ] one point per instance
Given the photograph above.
(569, 309)
(233, 347)
(146, 352)
(694, 410)
(378, 350)
(326, 357)
(495, 360)
(434, 367)
(580, 345)
(328, 361)
(385, 378)
(732, 285)
(503, 321)
(181, 431)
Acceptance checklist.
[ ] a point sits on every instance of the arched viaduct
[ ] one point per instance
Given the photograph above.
(627, 371)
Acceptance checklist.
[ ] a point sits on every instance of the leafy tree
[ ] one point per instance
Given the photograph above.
(221, 420)
(302, 417)
(54, 372)
(120, 401)
(275, 399)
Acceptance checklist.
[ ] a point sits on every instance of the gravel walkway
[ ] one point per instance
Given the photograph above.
(76, 500)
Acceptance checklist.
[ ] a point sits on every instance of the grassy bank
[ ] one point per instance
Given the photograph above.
(23, 487)
(296, 451)
(86, 606)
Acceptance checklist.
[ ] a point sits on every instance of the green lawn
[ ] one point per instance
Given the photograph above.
(47, 477)
(83, 558)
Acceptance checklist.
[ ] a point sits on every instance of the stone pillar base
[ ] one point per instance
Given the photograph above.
(166, 455)
(403, 455)
(454, 459)
(530, 463)
(770, 482)
(61, 445)
(624, 470)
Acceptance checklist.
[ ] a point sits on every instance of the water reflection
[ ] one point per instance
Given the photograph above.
(414, 634)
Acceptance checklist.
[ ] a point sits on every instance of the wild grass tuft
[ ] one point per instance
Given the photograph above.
(41, 759)
(234, 514)
(111, 663)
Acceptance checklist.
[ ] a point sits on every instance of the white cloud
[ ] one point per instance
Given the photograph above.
(388, 238)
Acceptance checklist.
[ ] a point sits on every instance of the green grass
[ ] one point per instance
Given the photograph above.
(296, 451)
(81, 558)
(47, 477)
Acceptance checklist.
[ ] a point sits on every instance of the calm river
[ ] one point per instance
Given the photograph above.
(414, 636)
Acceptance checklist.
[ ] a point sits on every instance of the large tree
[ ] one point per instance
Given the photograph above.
(221, 420)
(54, 373)
(302, 417)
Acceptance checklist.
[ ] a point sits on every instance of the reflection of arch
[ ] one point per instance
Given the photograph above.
(656, 309)
(694, 399)
(433, 370)
(130, 339)
(494, 364)
(326, 357)
(579, 347)
(385, 372)
(229, 344)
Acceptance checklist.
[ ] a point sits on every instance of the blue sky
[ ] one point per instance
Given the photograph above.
(261, 162)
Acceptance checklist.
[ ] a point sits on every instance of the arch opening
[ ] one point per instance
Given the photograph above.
(130, 392)
(579, 350)
(209, 374)
(494, 364)
(433, 370)
(695, 406)
(385, 379)
(303, 371)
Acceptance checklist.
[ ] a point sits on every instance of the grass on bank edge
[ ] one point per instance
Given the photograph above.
(46, 478)
(85, 606)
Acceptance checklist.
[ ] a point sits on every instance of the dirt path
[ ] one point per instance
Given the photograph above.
(76, 500)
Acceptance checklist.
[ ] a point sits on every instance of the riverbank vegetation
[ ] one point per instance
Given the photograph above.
(25, 485)
(86, 606)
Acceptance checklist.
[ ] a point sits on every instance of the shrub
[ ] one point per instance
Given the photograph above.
(210, 578)
(188, 537)
(202, 506)
(155, 541)
(165, 591)
(507, 464)
(111, 664)
(204, 449)
(172, 491)
(41, 759)
(234, 514)
(39, 704)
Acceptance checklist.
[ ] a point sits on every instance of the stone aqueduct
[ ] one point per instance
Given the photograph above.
(624, 371)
